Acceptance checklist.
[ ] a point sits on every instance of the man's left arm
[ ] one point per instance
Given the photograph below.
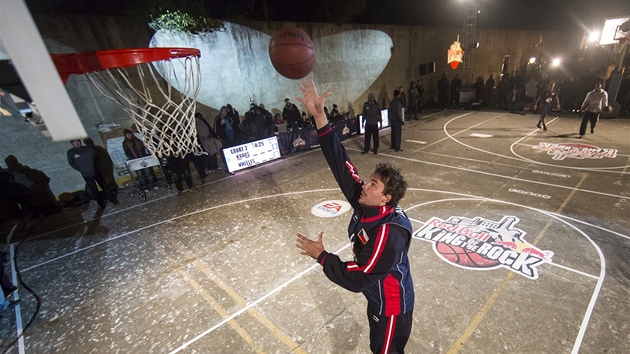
(388, 246)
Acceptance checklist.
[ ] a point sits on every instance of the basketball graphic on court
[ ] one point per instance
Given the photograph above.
(464, 257)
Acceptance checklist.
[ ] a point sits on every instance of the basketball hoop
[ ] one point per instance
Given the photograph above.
(165, 120)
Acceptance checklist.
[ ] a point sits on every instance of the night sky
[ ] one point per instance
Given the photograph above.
(509, 14)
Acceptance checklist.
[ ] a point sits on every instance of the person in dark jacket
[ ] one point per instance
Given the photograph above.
(443, 89)
(226, 128)
(372, 119)
(83, 159)
(105, 164)
(396, 120)
(380, 233)
(291, 115)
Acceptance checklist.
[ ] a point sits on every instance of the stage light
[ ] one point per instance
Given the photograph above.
(532, 60)
(593, 37)
(556, 62)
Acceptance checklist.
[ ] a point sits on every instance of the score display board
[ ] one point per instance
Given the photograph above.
(251, 154)
(385, 121)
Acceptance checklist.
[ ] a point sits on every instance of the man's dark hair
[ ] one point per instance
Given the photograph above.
(396, 93)
(395, 184)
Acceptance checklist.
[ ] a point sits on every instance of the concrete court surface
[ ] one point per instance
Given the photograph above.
(217, 271)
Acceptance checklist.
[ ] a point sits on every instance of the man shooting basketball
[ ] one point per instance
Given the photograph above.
(379, 231)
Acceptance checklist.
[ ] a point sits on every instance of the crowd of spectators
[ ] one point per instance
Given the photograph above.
(518, 92)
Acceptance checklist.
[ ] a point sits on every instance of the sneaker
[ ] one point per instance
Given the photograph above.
(545, 129)
(581, 136)
(13, 303)
(592, 130)
(364, 152)
(538, 125)
(115, 201)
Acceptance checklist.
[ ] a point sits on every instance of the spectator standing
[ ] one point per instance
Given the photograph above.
(479, 89)
(413, 101)
(208, 140)
(105, 164)
(456, 86)
(420, 95)
(487, 91)
(291, 115)
(442, 88)
(372, 119)
(396, 121)
(403, 101)
(83, 159)
(594, 102)
(225, 128)
(547, 99)
(503, 91)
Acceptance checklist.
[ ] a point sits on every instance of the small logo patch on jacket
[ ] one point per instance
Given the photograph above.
(363, 236)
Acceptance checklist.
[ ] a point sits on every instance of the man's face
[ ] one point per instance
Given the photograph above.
(287, 103)
(598, 87)
(76, 143)
(372, 193)
(128, 136)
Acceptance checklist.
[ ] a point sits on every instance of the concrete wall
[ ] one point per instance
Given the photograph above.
(412, 46)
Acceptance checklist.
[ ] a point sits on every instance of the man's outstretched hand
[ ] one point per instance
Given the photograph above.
(313, 102)
(309, 247)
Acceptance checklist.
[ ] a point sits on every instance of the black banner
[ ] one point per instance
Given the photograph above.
(306, 139)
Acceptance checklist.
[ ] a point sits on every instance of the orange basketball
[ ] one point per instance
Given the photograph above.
(292, 52)
(607, 109)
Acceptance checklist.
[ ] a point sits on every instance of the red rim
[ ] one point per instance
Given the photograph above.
(82, 63)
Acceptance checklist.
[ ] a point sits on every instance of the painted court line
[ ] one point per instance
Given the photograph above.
(252, 304)
(168, 221)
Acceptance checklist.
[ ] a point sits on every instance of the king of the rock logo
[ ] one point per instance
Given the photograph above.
(483, 244)
(575, 151)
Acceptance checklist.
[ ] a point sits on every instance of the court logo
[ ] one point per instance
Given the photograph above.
(330, 208)
(575, 151)
(483, 244)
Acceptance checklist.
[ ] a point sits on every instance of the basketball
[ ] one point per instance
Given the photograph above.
(607, 109)
(292, 53)
(464, 257)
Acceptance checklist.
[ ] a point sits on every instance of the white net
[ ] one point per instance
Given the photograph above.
(162, 107)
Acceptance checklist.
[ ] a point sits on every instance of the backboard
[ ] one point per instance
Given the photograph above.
(24, 46)
(613, 31)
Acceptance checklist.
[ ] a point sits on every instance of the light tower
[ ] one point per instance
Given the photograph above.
(469, 43)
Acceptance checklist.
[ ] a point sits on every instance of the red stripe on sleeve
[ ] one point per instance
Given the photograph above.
(379, 246)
